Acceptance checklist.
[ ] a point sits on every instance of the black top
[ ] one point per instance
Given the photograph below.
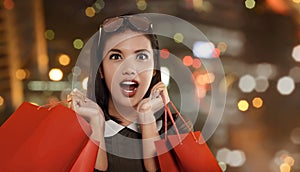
(124, 150)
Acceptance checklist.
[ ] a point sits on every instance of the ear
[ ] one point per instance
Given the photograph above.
(154, 72)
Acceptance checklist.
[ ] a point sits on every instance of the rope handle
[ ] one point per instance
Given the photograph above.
(51, 105)
(168, 111)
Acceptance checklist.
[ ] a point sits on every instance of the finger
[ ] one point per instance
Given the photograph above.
(155, 104)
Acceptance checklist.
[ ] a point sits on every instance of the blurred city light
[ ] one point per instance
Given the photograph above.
(8, 4)
(250, 4)
(64, 59)
(196, 63)
(178, 37)
(90, 12)
(141, 5)
(296, 1)
(295, 136)
(85, 83)
(284, 167)
(265, 69)
(49, 34)
(257, 102)
(295, 74)
(1, 100)
(55, 74)
(247, 83)
(187, 60)
(296, 53)
(21, 74)
(289, 160)
(223, 166)
(222, 154)
(222, 46)
(78, 43)
(203, 49)
(236, 158)
(243, 105)
(98, 5)
(262, 84)
(164, 53)
(165, 75)
(47, 85)
(76, 71)
(285, 85)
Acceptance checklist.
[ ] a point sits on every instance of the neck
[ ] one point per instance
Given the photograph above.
(125, 114)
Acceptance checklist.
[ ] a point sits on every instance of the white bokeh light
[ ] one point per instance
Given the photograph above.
(247, 83)
(262, 84)
(222, 154)
(296, 53)
(285, 85)
(265, 69)
(295, 136)
(295, 74)
(203, 49)
(236, 158)
(165, 75)
(85, 82)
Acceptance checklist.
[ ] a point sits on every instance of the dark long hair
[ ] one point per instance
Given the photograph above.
(98, 85)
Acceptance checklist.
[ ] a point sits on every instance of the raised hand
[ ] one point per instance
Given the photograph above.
(90, 111)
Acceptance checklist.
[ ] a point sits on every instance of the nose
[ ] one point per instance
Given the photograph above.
(129, 71)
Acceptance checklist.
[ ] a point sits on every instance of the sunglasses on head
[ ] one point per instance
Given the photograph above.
(139, 23)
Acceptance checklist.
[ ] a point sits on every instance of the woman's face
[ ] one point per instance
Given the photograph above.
(128, 67)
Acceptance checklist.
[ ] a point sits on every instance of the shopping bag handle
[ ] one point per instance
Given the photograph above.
(51, 105)
(168, 111)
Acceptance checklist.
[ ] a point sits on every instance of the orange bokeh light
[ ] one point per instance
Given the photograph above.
(187, 60)
(197, 63)
(164, 53)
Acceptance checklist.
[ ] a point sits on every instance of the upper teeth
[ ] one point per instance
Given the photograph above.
(128, 82)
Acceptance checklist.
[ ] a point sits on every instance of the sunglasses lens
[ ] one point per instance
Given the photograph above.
(140, 22)
(112, 24)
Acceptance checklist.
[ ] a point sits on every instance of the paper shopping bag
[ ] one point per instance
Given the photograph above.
(193, 155)
(40, 139)
(165, 157)
(186, 153)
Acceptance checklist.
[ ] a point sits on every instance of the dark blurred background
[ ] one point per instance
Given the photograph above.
(257, 42)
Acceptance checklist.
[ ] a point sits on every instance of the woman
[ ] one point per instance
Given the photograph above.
(127, 86)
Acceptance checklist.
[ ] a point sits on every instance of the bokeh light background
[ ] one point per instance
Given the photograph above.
(258, 43)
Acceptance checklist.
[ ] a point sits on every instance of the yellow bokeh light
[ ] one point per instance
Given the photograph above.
(55, 74)
(296, 1)
(1, 100)
(21, 74)
(178, 37)
(90, 12)
(289, 160)
(78, 43)
(250, 4)
(284, 167)
(64, 59)
(85, 83)
(257, 102)
(243, 105)
(141, 4)
(222, 46)
(49, 34)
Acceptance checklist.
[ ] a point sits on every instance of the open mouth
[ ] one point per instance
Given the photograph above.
(129, 87)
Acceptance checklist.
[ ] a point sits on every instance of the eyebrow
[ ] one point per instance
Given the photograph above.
(137, 51)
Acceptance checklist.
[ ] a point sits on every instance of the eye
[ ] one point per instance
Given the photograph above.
(115, 57)
(142, 56)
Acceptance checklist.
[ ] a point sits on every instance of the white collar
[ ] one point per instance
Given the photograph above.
(112, 128)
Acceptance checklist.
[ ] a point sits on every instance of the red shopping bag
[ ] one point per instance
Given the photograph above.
(190, 152)
(40, 139)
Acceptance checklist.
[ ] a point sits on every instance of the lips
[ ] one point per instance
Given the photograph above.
(129, 87)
